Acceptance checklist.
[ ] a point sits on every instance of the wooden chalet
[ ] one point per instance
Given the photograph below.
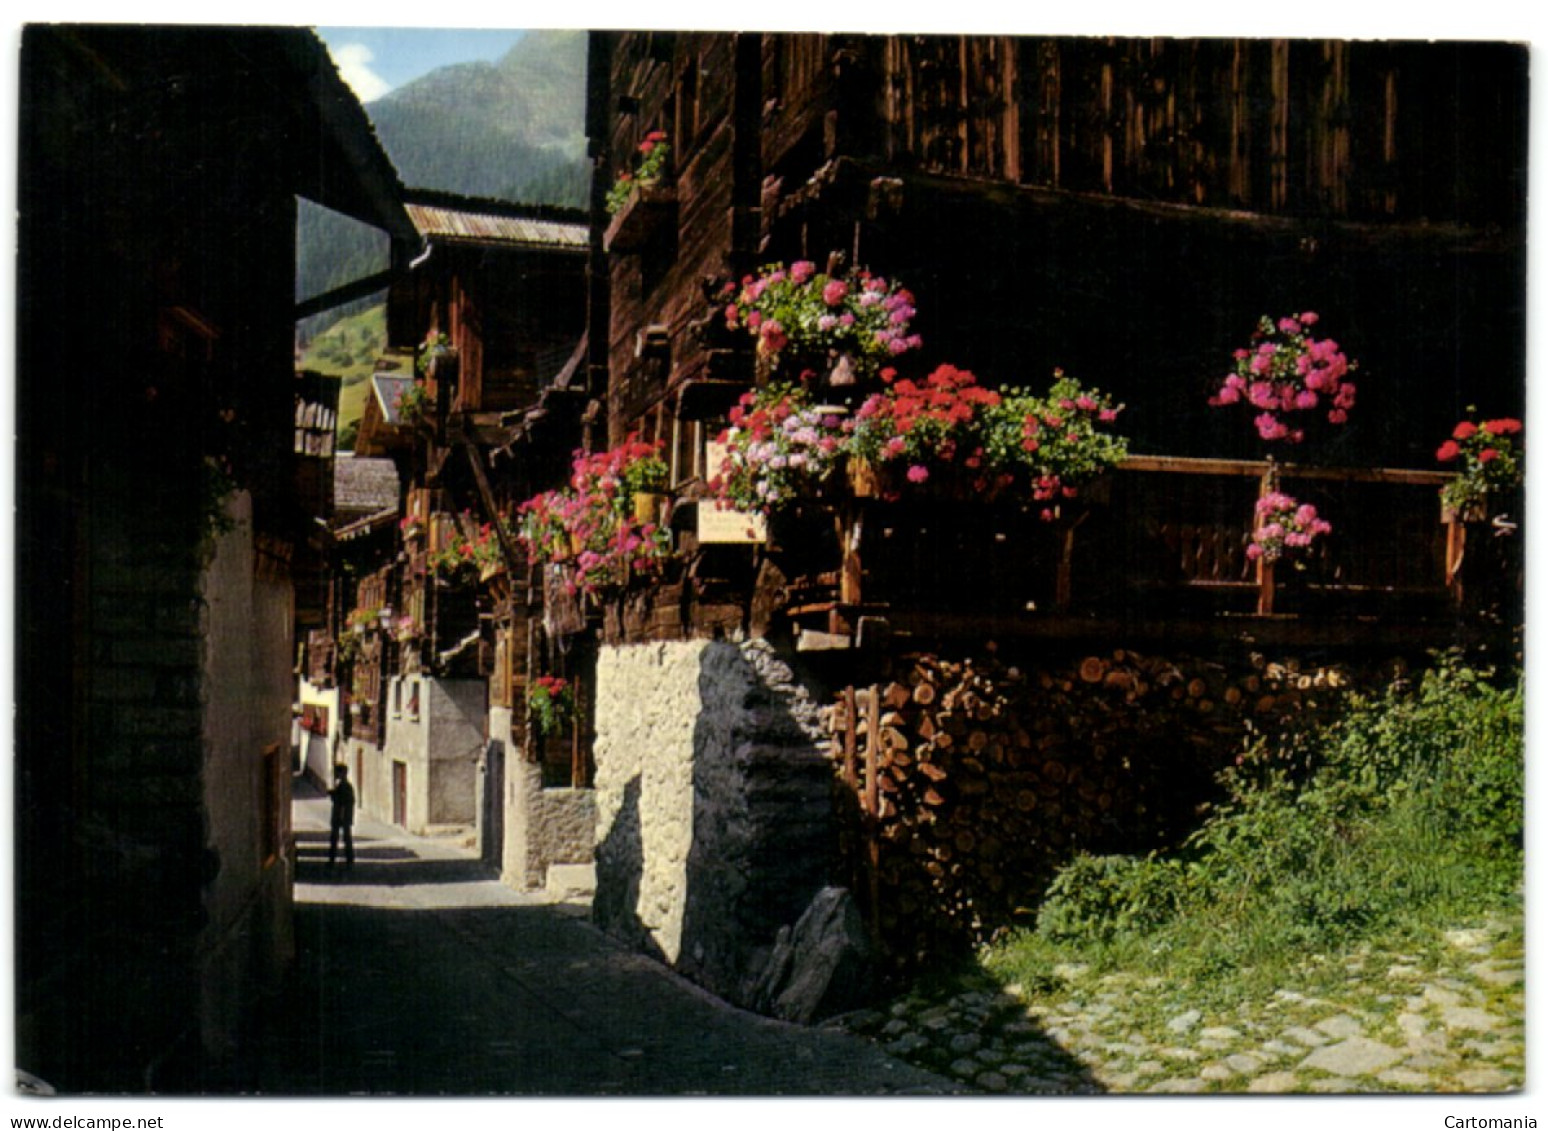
(170, 470)
(1124, 210)
(470, 404)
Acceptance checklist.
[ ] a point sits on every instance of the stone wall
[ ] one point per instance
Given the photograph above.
(541, 826)
(714, 805)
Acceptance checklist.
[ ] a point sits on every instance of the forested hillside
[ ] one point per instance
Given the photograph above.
(512, 130)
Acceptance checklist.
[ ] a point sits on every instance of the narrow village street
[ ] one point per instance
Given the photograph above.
(419, 974)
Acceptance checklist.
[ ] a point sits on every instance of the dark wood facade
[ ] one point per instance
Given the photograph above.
(157, 194)
(505, 285)
(1124, 209)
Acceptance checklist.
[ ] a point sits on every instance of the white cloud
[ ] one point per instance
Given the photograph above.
(354, 63)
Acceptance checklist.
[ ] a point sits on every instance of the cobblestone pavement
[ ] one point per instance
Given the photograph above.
(1399, 1023)
(417, 974)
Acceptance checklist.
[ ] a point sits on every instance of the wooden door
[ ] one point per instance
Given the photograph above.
(400, 794)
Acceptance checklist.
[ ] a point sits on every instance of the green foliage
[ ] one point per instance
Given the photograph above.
(1403, 816)
(495, 129)
(348, 347)
(1103, 896)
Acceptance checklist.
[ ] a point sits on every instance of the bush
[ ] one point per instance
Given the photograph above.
(1405, 813)
(1098, 897)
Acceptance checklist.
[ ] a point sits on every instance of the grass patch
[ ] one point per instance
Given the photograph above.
(348, 349)
(1381, 831)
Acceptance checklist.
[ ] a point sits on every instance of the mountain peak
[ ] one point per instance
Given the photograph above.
(512, 129)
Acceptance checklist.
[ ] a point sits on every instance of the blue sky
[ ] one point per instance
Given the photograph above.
(376, 60)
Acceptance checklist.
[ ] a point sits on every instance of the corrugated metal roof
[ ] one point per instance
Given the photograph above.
(436, 222)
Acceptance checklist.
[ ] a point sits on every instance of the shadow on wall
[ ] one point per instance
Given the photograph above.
(620, 856)
(763, 851)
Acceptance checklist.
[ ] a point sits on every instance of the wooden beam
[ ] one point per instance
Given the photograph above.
(1247, 468)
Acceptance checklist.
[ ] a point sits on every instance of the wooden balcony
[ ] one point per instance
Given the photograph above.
(648, 220)
(1162, 555)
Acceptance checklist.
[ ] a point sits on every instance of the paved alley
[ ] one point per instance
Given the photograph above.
(418, 974)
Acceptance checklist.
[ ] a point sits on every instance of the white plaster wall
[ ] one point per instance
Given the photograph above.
(247, 688)
(648, 701)
(458, 714)
(440, 747)
(317, 749)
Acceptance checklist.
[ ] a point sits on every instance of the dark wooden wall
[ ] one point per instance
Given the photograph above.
(1122, 208)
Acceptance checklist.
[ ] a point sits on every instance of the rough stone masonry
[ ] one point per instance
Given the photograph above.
(714, 805)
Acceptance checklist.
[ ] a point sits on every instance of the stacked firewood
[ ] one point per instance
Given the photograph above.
(972, 780)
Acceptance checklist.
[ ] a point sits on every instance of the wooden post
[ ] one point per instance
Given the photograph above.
(1456, 549)
(1268, 484)
(849, 525)
(851, 775)
(873, 808)
(872, 750)
(577, 764)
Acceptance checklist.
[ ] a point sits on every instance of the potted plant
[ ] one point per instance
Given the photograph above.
(413, 403)
(1284, 528)
(455, 562)
(1054, 443)
(643, 475)
(808, 325)
(592, 524)
(923, 430)
(363, 619)
(550, 705)
(779, 446)
(1285, 374)
(436, 346)
(1487, 456)
(648, 171)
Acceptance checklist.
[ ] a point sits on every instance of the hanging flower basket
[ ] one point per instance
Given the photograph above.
(817, 328)
(1286, 377)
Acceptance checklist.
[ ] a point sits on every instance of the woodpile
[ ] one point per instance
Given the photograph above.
(972, 780)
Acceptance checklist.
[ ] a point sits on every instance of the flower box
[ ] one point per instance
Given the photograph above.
(649, 217)
(1476, 511)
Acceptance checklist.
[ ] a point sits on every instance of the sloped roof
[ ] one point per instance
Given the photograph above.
(387, 388)
(489, 224)
(363, 486)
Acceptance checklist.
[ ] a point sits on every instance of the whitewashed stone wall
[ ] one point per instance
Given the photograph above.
(713, 804)
(542, 826)
(439, 747)
(317, 750)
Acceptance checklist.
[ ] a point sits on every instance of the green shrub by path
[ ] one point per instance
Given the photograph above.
(1398, 821)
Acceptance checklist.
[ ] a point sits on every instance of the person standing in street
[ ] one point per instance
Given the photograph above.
(343, 819)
